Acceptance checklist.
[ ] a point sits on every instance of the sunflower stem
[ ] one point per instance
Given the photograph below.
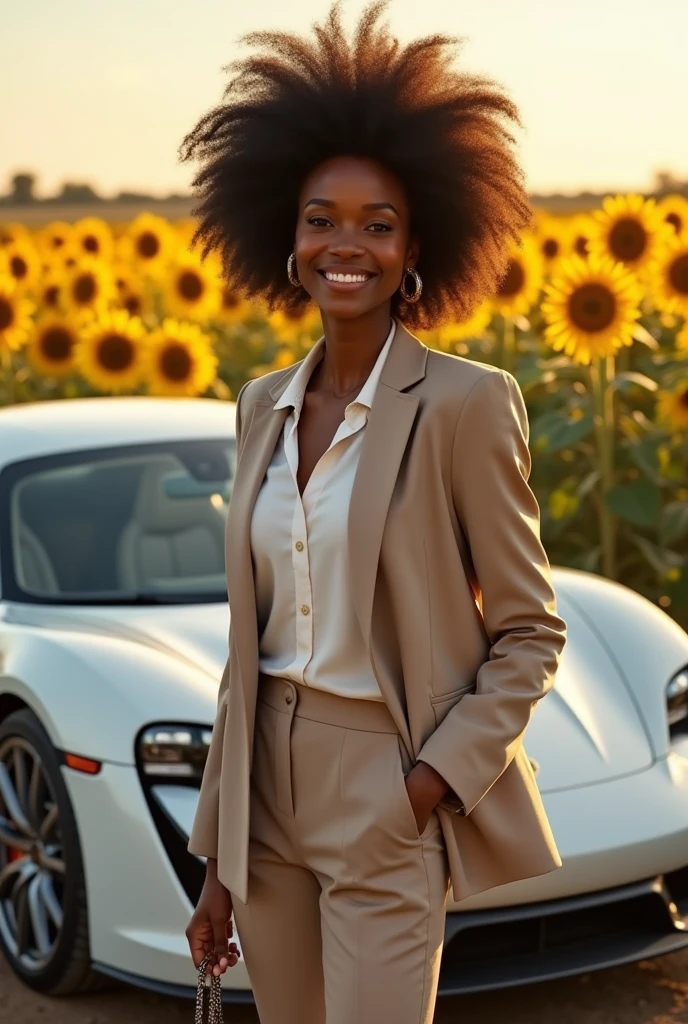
(508, 353)
(8, 374)
(601, 377)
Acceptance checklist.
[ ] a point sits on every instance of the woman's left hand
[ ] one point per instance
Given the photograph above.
(425, 788)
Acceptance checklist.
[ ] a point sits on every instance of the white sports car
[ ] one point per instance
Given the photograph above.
(113, 636)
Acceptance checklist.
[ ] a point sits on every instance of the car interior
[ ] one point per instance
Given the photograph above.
(120, 527)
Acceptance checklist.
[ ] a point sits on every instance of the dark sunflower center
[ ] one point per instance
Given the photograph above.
(133, 304)
(190, 286)
(56, 344)
(675, 220)
(148, 245)
(115, 352)
(18, 267)
(6, 314)
(628, 239)
(90, 243)
(581, 245)
(550, 248)
(70, 262)
(678, 273)
(230, 299)
(175, 362)
(683, 399)
(592, 307)
(514, 280)
(84, 289)
(50, 295)
(58, 241)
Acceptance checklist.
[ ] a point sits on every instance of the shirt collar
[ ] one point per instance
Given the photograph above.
(295, 391)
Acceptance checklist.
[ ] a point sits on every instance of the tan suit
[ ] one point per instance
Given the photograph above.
(453, 594)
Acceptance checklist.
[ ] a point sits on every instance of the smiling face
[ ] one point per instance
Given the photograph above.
(352, 239)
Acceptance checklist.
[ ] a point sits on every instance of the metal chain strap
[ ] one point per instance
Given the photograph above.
(214, 998)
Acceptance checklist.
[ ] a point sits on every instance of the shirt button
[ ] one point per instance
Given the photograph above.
(299, 545)
(305, 609)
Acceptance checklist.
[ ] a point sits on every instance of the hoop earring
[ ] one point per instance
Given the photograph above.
(291, 264)
(415, 295)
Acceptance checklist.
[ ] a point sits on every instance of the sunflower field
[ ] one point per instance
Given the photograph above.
(591, 317)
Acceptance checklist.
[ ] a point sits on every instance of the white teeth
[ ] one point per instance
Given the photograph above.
(346, 278)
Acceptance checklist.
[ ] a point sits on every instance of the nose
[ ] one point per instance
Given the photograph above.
(346, 245)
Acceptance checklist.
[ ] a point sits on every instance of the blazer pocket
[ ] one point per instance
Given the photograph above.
(454, 695)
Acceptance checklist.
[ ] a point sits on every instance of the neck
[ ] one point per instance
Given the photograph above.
(351, 348)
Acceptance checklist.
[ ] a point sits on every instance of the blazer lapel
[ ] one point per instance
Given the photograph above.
(257, 450)
(384, 442)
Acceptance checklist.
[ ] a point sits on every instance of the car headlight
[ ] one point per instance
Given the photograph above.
(677, 702)
(174, 752)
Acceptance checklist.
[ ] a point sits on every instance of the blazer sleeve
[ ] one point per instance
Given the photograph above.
(203, 839)
(500, 517)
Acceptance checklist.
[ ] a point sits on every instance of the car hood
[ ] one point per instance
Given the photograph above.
(586, 730)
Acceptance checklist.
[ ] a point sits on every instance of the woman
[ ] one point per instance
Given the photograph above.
(393, 622)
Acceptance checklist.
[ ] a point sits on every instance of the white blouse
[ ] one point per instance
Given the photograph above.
(307, 624)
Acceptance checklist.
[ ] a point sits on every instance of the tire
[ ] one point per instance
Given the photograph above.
(43, 909)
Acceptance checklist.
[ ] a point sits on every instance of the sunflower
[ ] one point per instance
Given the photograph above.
(590, 307)
(89, 286)
(233, 308)
(23, 263)
(14, 231)
(674, 210)
(110, 351)
(552, 237)
(520, 287)
(631, 230)
(179, 359)
(49, 290)
(448, 337)
(150, 242)
(94, 238)
(56, 240)
(51, 346)
(682, 338)
(289, 329)
(15, 314)
(668, 276)
(284, 357)
(672, 407)
(580, 229)
(191, 290)
(132, 293)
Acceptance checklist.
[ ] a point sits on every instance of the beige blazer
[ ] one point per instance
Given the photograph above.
(453, 593)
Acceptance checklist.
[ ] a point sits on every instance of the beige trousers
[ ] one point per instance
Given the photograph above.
(344, 921)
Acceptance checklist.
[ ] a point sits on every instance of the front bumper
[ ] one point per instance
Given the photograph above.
(621, 894)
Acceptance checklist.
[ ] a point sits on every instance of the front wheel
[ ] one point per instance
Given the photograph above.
(43, 913)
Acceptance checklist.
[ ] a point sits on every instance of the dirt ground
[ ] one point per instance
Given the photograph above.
(651, 992)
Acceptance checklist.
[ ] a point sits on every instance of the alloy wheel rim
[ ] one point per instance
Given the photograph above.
(32, 865)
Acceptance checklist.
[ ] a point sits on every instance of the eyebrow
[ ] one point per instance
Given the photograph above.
(366, 206)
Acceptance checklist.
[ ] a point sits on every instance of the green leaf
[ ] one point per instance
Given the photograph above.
(587, 483)
(629, 379)
(644, 455)
(563, 433)
(639, 502)
(642, 335)
(673, 523)
(661, 559)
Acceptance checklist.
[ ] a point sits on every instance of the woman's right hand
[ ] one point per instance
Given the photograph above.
(210, 927)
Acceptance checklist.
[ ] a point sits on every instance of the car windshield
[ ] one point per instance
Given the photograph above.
(141, 524)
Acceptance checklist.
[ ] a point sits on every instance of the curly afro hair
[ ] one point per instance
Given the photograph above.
(299, 101)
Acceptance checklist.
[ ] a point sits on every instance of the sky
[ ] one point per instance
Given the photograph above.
(103, 92)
